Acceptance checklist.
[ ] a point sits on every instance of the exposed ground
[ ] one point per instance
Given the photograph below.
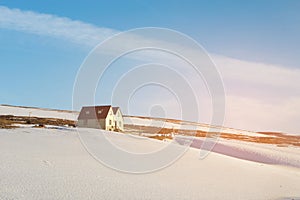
(10, 121)
(279, 139)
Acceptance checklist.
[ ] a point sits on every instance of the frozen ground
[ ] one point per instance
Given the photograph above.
(186, 126)
(72, 115)
(52, 164)
(37, 112)
(263, 153)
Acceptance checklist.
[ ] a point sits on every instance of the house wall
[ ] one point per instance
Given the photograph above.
(101, 122)
(110, 121)
(81, 123)
(92, 123)
(119, 120)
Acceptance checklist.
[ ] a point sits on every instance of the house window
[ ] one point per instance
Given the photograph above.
(99, 111)
(87, 112)
(109, 122)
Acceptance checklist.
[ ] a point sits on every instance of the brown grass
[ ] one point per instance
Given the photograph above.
(7, 121)
(279, 139)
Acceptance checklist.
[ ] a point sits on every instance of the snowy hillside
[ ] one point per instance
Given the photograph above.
(175, 124)
(37, 112)
(52, 164)
(274, 148)
(72, 115)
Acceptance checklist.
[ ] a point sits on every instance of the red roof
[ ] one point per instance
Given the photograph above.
(94, 112)
(115, 109)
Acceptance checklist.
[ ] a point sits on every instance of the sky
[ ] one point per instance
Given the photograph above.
(255, 45)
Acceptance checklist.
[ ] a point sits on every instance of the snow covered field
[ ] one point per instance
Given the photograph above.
(186, 126)
(52, 164)
(37, 112)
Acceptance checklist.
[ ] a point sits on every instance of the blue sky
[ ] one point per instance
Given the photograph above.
(257, 30)
(38, 68)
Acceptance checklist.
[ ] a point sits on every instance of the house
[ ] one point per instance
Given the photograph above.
(102, 117)
(119, 121)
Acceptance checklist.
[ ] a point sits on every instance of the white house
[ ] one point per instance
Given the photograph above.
(102, 117)
(119, 121)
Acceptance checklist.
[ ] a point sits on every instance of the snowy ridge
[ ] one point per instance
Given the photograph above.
(52, 164)
(262, 153)
(37, 112)
(156, 122)
(72, 115)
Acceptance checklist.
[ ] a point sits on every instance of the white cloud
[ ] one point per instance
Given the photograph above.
(254, 114)
(51, 25)
(259, 96)
(262, 73)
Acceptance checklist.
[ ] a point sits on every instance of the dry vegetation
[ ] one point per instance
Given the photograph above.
(279, 139)
(275, 138)
(9, 121)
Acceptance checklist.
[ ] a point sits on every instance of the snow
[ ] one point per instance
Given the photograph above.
(69, 115)
(258, 152)
(24, 125)
(37, 112)
(53, 164)
(188, 126)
